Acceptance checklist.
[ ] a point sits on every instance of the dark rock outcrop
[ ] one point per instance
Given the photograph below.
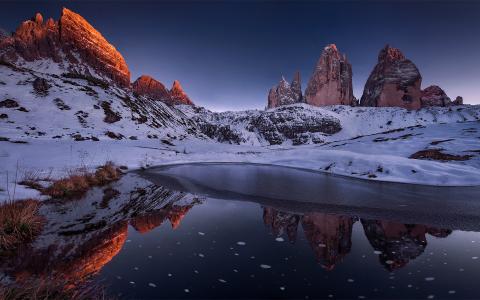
(71, 37)
(395, 81)
(434, 96)
(293, 123)
(458, 101)
(41, 86)
(285, 93)
(331, 81)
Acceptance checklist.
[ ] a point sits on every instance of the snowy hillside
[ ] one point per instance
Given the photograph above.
(55, 105)
(53, 121)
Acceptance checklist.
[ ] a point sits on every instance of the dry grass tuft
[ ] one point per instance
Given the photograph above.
(80, 181)
(20, 223)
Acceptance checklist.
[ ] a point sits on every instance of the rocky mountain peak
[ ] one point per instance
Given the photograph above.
(151, 88)
(77, 35)
(38, 18)
(178, 95)
(394, 81)
(285, 93)
(331, 81)
(71, 42)
(296, 86)
(155, 90)
(390, 54)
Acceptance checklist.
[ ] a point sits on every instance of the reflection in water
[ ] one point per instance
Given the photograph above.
(81, 237)
(330, 236)
(398, 243)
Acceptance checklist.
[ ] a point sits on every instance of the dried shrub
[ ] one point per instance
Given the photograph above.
(80, 181)
(20, 223)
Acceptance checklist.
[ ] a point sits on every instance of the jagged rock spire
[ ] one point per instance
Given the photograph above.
(285, 93)
(331, 81)
(71, 41)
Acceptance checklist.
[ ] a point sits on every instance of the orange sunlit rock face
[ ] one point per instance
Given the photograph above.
(178, 95)
(73, 37)
(76, 34)
(155, 90)
(75, 261)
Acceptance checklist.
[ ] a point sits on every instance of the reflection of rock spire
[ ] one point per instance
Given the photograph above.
(330, 237)
(281, 222)
(176, 213)
(147, 222)
(398, 243)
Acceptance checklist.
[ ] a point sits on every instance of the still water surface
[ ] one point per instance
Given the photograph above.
(254, 231)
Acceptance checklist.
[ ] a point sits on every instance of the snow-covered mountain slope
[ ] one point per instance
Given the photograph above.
(44, 105)
(304, 124)
(52, 122)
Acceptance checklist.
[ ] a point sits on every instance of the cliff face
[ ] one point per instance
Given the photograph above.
(71, 42)
(395, 81)
(78, 36)
(331, 81)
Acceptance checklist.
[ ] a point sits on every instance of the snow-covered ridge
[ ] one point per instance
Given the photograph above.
(246, 127)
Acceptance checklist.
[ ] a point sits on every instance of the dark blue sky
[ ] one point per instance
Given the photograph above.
(227, 54)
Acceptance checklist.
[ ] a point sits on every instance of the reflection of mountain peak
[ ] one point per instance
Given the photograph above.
(281, 222)
(330, 237)
(398, 243)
